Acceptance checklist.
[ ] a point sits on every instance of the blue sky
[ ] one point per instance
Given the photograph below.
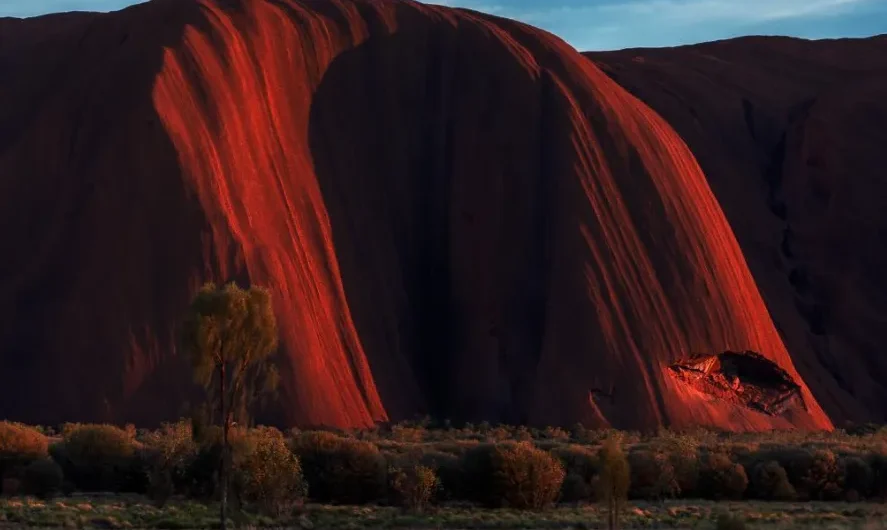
(614, 24)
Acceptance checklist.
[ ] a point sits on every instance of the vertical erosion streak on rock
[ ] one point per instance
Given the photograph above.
(93, 275)
(235, 102)
(789, 144)
(450, 208)
(664, 275)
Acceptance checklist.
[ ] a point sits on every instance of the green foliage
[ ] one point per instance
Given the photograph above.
(230, 333)
(19, 446)
(769, 481)
(721, 478)
(267, 474)
(341, 470)
(413, 486)
(43, 478)
(100, 458)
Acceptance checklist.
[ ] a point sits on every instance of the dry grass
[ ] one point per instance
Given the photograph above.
(134, 512)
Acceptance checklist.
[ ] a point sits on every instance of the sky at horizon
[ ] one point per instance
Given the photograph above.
(591, 25)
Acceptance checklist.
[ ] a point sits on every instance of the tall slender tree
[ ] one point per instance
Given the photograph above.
(230, 335)
(614, 479)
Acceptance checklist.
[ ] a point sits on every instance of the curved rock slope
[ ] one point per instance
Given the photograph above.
(457, 214)
(791, 135)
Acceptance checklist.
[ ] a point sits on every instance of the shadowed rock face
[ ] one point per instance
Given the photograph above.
(790, 135)
(457, 215)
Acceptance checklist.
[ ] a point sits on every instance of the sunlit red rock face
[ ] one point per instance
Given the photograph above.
(457, 215)
(791, 136)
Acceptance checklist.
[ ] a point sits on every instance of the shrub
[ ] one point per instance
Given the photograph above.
(201, 474)
(515, 475)
(856, 477)
(266, 473)
(403, 433)
(527, 477)
(413, 486)
(815, 474)
(169, 454)
(342, 470)
(769, 481)
(782, 454)
(576, 489)
(19, 446)
(43, 478)
(863, 429)
(477, 473)
(652, 475)
(682, 453)
(500, 433)
(878, 465)
(556, 433)
(579, 433)
(100, 458)
(721, 478)
(447, 467)
(522, 434)
(547, 445)
(581, 466)
(190, 467)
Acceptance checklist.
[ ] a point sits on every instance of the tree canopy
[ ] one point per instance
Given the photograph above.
(231, 333)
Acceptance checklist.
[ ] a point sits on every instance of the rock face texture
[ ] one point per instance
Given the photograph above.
(457, 215)
(790, 135)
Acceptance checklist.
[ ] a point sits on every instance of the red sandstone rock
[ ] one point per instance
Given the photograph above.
(790, 135)
(457, 214)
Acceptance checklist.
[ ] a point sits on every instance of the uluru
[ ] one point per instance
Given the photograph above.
(457, 215)
(790, 136)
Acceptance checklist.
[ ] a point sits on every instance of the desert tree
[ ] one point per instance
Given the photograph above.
(614, 479)
(231, 335)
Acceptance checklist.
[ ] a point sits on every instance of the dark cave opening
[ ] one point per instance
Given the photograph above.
(744, 378)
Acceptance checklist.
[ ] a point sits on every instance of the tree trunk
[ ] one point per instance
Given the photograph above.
(617, 509)
(223, 475)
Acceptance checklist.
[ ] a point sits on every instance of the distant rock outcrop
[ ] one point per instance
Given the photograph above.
(790, 135)
(457, 214)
